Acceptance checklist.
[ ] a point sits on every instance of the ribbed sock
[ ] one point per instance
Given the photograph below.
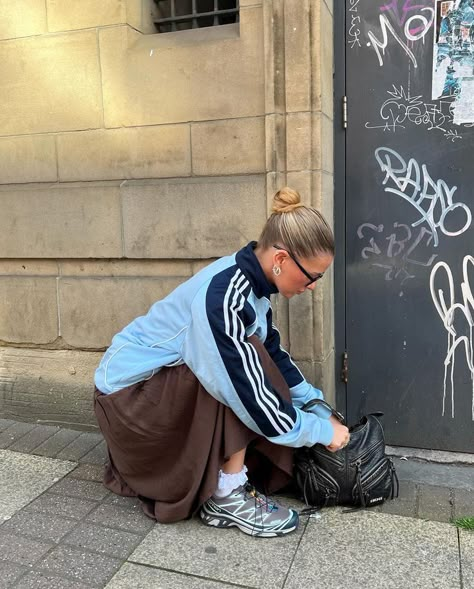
(228, 482)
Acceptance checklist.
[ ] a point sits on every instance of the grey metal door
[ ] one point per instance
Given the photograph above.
(409, 232)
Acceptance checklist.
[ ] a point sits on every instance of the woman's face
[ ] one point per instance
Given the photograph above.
(292, 279)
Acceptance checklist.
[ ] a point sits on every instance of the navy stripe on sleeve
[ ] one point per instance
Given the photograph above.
(228, 312)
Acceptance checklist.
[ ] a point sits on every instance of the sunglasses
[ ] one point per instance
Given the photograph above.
(310, 277)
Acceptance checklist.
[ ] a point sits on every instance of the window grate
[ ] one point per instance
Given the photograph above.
(178, 15)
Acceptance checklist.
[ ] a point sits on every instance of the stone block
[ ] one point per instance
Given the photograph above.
(87, 567)
(11, 572)
(28, 313)
(71, 487)
(38, 151)
(122, 519)
(50, 83)
(73, 215)
(20, 550)
(14, 24)
(298, 66)
(56, 443)
(115, 268)
(24, 477)
(327, 61)
(98, 455)
(435, 503)
(317, 141)
(88, 472)
(37, 580)
(298, 141)
(325, 378)
(322, 56)
(34, 438)
(195, 218)
(71, 507)
(49, 386)
(301, 326)
(249, 563)
(28, 267)
(48, 527)
(301, 181)
(144, 152)
(14, 433)
(327, 144)
(117, 301)
(80, 446)
(116, 543)
(235, 146)
(153, 79)
(83, 15)
(139, 15)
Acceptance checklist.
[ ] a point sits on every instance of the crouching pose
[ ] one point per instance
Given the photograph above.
(197, 398)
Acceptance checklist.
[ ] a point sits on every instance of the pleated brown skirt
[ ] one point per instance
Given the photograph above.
(168, 437)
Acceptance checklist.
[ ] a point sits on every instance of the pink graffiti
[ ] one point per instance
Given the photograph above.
(406, 9)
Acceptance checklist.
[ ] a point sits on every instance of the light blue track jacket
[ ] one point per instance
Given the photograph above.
(205, 323)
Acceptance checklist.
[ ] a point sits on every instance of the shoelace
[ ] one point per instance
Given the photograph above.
(260, 499)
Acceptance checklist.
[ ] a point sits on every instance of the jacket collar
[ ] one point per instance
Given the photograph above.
(250, 266)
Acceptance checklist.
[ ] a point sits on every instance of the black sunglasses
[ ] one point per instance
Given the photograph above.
(311, 278)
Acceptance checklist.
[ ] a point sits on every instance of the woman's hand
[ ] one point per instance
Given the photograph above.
(341, 435)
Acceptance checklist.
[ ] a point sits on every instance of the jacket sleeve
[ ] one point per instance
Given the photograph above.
(227, 365)
(301, 390)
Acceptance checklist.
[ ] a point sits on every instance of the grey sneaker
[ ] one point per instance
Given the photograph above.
(251, 512)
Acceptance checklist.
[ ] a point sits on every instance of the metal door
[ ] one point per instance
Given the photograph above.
(409, 232)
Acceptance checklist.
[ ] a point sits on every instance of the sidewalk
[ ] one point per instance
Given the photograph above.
(61, 529)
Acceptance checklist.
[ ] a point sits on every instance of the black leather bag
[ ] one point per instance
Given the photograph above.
(360, 474)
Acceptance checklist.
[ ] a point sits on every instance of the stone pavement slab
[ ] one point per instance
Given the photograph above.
(466, 547)
(24, 477)
(365, 549)
(225, 555)
(142, 577)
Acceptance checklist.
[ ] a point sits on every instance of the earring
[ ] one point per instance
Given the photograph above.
(276, 270)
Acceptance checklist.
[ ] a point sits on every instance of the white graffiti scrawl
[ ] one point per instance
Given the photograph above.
(450, 311)
(432, 199)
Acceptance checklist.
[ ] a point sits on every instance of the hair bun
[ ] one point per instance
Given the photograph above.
(286, 200)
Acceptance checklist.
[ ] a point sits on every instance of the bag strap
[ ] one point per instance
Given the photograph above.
(307, 406)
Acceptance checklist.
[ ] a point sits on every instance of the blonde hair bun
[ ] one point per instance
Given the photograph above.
(286, 200)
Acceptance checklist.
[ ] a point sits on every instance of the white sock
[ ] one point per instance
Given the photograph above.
(228, 482)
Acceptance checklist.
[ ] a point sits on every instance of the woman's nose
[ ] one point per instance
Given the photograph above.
(311, 286)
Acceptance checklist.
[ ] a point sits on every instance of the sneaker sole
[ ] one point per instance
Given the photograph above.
(219, 521)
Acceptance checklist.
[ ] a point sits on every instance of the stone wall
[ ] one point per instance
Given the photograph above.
(128, 160)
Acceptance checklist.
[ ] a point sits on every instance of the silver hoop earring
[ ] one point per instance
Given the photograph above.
(276, 270)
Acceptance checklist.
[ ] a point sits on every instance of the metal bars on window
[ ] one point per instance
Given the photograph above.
(178, 15)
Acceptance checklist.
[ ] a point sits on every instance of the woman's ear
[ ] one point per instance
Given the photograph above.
(279, 257)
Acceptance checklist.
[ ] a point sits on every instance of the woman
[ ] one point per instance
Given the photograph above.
(199, 391)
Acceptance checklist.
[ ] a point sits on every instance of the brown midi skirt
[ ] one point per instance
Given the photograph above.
(168, 437)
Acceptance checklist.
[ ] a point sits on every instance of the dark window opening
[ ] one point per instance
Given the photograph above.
(179, 15)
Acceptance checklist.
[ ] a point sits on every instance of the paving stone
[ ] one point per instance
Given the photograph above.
(132, 503)
(14, 432)
(87, 567)
(143, 577)
(35, 580)
(466, 544)
(374, 550)
(42, 526)
(98, 455)
(9, 573)
(435, 503)
(123, 519)
(21, 550)
(88, 472)
(23, 477)
(104, 540)
(404, 504)
(192, 548)
(71, 507)
(83, 489)
(80, 446)
(34, 438)
(463, 502)
(57, 443)
(5, 424)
